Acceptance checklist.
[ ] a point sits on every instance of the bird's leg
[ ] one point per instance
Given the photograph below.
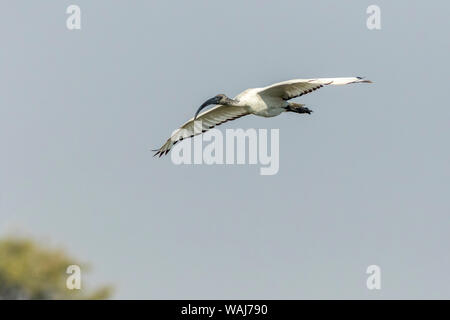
(298, 108)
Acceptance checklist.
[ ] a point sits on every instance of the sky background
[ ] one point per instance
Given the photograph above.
(364, 180)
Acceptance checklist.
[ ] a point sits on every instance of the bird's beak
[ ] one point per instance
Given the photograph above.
(208, 102)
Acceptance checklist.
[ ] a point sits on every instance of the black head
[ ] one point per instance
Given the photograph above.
(218, 99)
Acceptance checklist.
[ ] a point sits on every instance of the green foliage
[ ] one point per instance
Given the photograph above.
(31, 270)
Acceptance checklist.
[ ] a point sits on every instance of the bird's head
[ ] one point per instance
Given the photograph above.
(218, 99)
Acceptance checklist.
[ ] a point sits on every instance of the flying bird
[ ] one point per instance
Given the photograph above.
(269, 101)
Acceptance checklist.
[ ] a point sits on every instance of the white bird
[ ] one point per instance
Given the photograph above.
(269, 101)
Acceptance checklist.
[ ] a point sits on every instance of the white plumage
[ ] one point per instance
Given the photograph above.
(269, 101)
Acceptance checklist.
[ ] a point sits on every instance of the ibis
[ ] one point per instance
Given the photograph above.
(269, 101)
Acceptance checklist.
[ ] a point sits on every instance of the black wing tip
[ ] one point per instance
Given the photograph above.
(160, 153)
(156, 152)
(363, 80)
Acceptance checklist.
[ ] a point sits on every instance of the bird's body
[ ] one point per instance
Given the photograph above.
(263, 106)
(259, 105)
(266, 102)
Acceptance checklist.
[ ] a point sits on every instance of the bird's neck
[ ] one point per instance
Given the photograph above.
(236, 103)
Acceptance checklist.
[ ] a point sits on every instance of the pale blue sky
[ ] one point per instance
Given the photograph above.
(364, 180)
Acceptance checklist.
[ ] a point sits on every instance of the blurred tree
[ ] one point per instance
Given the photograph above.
(31, 270)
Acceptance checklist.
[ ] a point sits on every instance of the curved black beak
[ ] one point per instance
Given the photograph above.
(215, 100)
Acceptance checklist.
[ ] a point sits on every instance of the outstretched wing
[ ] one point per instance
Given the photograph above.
(205, 121)
(295, 88)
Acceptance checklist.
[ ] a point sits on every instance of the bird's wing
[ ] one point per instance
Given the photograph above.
(205, 121)
(294, 88)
